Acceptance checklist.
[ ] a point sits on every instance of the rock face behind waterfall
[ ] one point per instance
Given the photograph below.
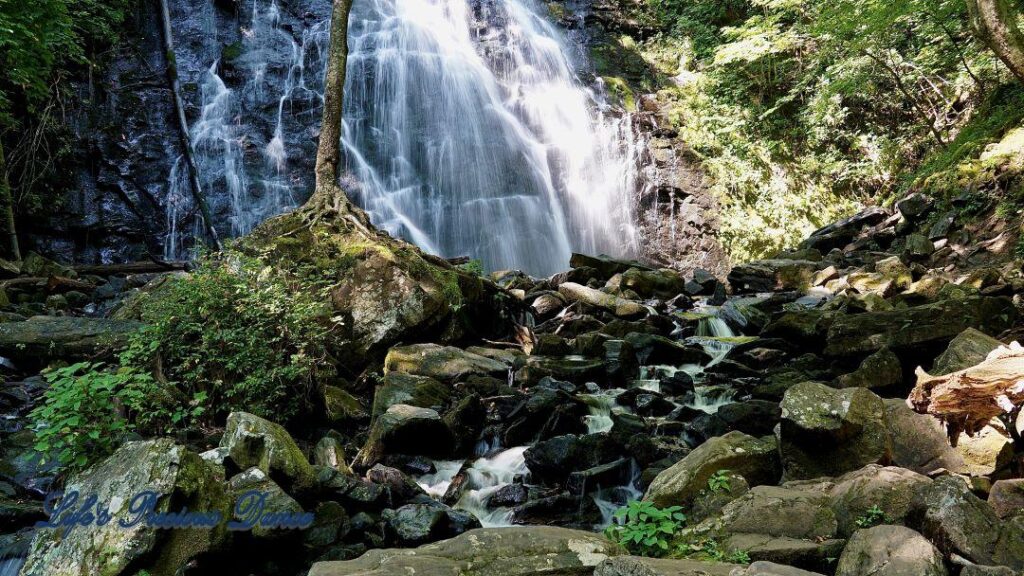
(124, 201)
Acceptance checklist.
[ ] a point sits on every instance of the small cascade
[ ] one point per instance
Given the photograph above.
(484, 477)
(608, 500)
(470, 133)
(600, 406)
(715, 327)
(436, 484)
(710, 398)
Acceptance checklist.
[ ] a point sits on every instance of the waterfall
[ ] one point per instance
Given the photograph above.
(244, 165)
(467, 131)
(470, 133)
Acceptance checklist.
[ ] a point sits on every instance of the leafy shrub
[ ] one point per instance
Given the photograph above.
(86, 411)
(872, 517)
(232, 336)
(709, 550)
(719, 482)
(644, 528)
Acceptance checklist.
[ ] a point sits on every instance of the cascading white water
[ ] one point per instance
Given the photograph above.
(484, 477)
(222, 139)
(471, 134)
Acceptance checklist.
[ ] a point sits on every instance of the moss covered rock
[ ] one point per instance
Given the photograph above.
(252, 441)
(177, 477)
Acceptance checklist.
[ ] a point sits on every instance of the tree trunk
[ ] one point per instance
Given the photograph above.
(7, 205)
(328, 155)
(186, 140)
(995, 22)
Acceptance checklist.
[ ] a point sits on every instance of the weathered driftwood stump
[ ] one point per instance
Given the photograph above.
(968, 400)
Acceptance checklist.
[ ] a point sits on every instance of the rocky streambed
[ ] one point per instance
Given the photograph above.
(768, 405)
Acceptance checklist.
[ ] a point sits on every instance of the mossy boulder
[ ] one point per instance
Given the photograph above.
(826, 432)
(443, 363)
(401, 388)
(890, 551)
(891, 489)
(382, 290)
(342, 408)
(969, 348)
(42, 338)
(879, 370)
(252, 441)
(652, 283)
(925, 326)
(772, 275)
(756, 459)
(779, 511)
(274, 500)
(177, 477)
(520, 551)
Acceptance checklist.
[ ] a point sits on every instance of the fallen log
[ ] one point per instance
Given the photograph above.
(52, 284)
(147, 267)
(970, 399)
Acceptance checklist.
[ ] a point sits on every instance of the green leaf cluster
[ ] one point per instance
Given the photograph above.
(86, 412)
(645, 529)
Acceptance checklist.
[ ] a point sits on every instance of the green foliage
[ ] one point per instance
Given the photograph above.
(474, 267)
(233, 336)
(709, 550)
(719, 482)
(801, 111)
(644, 528)
(873, 516)
(86, 411)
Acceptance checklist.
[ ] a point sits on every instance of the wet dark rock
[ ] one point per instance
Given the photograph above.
(614, 473)
(772, 275)
(568, 368)
(466, 420)
(662, 284)
(542, 414)
(405, 429)
(552, 461)
(415, 524)
(551, 345)
(652, 349)
(331, 524)
(915, 205)
(400, 487)
(508, 496)
(562, 509)
(838, 234)
(605, 265)
(754, 417)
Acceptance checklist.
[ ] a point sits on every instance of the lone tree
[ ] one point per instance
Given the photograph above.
(996, 24)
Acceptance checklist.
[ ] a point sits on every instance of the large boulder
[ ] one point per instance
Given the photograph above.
(780, 511)
(42, 338)
(919, 441)
(382, 290)
(890, 551)
(926, 325)
(839, 234)
(605, 265)
(638, 566)
(652, 283)
(443, 363)
(251, 441)
(762, 568)
(826, 432)
(400, 388)
(889, 488)
(177, 479)
(1007, 497)
(773, 275)
(521, 551)
(755, 459)
(272, 500)
(970, 347)
(958, 522)
(405, 429)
